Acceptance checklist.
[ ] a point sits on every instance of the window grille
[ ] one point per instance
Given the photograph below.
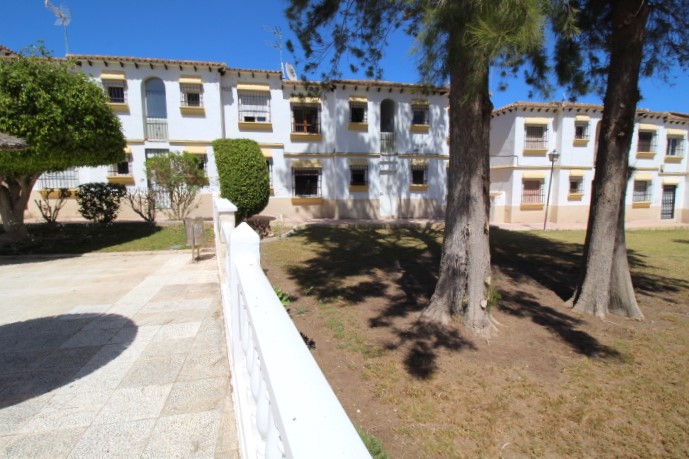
(581, 131)
(536, 137)
(307, 182)
(642, 191)
(419, 174)
(254, 107)
(269, 164)
(646, 141)
(358, 112)
(576, 186)
(306, 119)
(675, 146)
(419, 114)
(62, 179)
(358, 175)
(116, 91)
(191, 95)
(532, 192)
(124, 168)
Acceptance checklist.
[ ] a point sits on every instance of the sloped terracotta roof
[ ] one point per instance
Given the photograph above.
(5, 51)
(546, 107)
(143, 60)
(10, 143)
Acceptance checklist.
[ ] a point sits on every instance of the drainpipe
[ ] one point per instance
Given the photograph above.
(221, 73)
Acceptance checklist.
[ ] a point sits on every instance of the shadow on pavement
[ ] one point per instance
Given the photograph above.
(40, 355)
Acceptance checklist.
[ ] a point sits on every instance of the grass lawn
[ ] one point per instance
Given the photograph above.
(551, 383)
(77, 238)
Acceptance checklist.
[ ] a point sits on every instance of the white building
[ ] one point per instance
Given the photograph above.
(371, 149)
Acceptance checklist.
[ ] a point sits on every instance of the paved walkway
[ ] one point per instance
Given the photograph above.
(109, 356)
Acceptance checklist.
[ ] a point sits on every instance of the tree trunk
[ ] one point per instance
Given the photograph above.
(14, 196)
(605, 284)
(465, 260)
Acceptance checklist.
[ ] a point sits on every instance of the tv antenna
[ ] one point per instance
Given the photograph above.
(63, 16)
(291, 73)
(276, 43)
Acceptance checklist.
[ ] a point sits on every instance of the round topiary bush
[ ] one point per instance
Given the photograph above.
(243, 175)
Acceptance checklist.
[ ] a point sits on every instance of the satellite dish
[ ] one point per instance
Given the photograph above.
(291, 73)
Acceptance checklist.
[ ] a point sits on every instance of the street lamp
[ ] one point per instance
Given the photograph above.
(552, 156)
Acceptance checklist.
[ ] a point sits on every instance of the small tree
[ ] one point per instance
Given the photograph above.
(50, 210)
(64, 118)
(243, 175)
(143, 202)
(100, 202)
(177, 177)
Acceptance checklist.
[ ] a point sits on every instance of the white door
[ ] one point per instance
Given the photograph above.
(388, 191)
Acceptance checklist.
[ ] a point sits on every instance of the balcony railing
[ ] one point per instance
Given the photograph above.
(156, 129)
(387, 142)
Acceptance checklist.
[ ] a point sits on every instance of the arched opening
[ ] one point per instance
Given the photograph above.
(155, 108)
(387, 126)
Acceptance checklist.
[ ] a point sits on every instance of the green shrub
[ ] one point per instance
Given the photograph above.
(243, 175)
(373, 444)
(50, 210)
(100, 202)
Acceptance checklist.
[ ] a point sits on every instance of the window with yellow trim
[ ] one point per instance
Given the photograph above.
(358, 175)
(576, 185)
(306, 118)
(124, 168)
(642, 191)
(307, 182)
(420, 114)
(675, 146)
(358, 112)
(646, 142)
(116, 91)
(581, 130)
(419, 174)
(254, 106)
(532, 192)
(191, 95)
(535, 137)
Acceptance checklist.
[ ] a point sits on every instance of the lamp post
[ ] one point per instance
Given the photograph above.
(552, 156)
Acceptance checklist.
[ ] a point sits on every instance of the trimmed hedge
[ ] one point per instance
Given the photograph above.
(100, 202)
(243, 175)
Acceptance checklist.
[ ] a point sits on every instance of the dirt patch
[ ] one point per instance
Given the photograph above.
(550, 383)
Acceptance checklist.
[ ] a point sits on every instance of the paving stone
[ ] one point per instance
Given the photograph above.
(195, 290)
(178, 304)
(134, 403)
(184, 436)
(177, 331)
(13, 417)
(92, 337)
(45, 445)
(67, 410)
(114, 441)
(160, 349)
(160, 371)
(193, 396)
(203, 366)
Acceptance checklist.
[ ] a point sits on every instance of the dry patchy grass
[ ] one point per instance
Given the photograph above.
(550, 384)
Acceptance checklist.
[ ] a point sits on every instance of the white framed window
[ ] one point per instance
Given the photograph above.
(419, 174)
(269, 164)
(420, 114)
(124, 168)
(642, 191)
(675, 146)
(358, 112)
(358, 175)
(535, 137)
(254, 106)
(116, 90)
(68, 178)
(646, 142)
(306, 182)
(191, 94)
(581, 130)
(532, 191)
(306, 118)
(576, 185)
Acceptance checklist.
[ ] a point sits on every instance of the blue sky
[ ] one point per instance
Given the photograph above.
(229, 31)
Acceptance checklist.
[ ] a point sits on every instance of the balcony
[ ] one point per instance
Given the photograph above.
(156, 129)
(387, 142)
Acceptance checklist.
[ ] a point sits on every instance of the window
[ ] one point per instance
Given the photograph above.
(358, 175)
(576, 185)
(419, 174)
(675, 146)
(646, 141)
(62, 179)
(191, 95)
(642, 191)
(116, 91)
(419, 112)
(535, 137)
(254, 106)
(581, 130)
(307, 182)
(358, 112)
(306, 119)
(122, 169)
(532, 192)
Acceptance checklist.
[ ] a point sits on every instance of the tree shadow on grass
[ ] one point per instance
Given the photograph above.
(40, 355)
(70, 239)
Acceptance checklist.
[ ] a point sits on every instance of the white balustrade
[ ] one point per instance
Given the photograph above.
(283, 404)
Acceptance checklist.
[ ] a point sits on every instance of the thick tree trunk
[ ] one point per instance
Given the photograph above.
(14, 195)
(605, 283)
(465, 260)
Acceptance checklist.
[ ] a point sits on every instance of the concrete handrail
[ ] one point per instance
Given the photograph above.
(283, 403)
